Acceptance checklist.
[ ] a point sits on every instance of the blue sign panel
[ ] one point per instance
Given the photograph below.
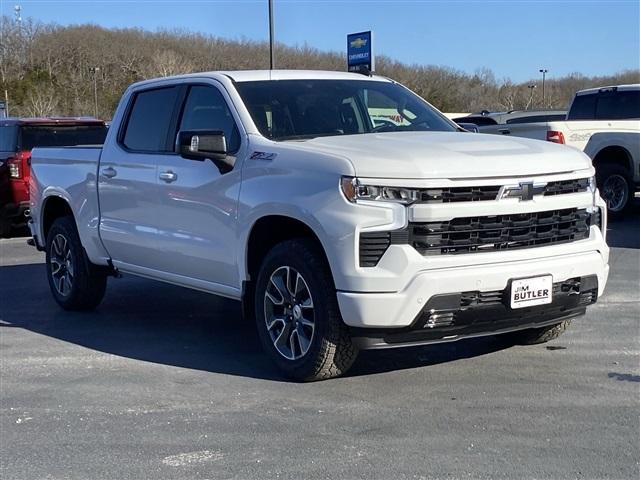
(360, 52)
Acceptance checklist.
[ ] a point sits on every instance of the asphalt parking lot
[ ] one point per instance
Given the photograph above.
(166, 383)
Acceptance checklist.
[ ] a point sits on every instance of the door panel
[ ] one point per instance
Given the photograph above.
(198, 204)
(128, 205)
(128, 179)
(196, 221)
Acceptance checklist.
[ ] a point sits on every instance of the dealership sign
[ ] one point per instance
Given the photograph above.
(360, 52)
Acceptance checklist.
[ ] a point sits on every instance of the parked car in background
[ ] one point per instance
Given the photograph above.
(336, 231)
(605, 124)
(487, 120)
(17, 137)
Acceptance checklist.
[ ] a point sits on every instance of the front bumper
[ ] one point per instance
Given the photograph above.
(471, 314)
(401, 309)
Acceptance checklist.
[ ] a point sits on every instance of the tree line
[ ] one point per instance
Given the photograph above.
(48, 69)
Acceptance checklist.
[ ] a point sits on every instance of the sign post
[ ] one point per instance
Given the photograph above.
(3, 110)
(360, 57)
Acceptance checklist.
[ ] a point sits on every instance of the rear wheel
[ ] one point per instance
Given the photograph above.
(616, 187)
(76, 284)
(297, 313)
(534, 336)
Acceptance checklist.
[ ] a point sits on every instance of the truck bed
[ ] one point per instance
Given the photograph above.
(69, 173)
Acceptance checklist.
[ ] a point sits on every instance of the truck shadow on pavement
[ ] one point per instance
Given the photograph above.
(159, 323)
(624, 232)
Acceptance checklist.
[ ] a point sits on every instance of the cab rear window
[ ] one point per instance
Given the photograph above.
(32, 136)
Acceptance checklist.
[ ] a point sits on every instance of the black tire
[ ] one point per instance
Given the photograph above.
(609, 173)
(330, 349)
(535, 336)
(86, 283)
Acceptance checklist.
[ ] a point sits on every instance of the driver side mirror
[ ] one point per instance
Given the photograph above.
(203, 144)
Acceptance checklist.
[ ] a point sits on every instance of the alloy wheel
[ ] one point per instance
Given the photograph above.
(289, 313)
(61, 261)
(615, 191)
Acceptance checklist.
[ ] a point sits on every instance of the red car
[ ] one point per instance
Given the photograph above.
(17, 137)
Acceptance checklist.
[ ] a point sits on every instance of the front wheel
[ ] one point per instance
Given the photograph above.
(76, 284)
(297, 313)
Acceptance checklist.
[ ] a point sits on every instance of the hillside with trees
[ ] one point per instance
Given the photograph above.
(48, 69)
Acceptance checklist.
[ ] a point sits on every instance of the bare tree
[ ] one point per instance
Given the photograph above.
(47, 68)
(41, 102)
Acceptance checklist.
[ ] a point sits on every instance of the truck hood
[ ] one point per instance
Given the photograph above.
(431, 155)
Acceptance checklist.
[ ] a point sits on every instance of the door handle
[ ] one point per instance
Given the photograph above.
(109, 172)
(168, 176)
(504, 131)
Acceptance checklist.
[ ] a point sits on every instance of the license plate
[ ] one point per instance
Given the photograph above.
(528, 292)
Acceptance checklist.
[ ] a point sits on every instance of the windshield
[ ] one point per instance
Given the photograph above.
(61, 135)
(299, 109)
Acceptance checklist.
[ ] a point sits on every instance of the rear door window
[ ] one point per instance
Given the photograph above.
(149, 120)
(583, 107)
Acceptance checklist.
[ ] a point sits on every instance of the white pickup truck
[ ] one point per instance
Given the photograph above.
(605, 124)
(279, 190)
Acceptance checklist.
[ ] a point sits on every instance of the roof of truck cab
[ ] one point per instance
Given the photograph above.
(255, 75)
(631, 86)
(262, 75)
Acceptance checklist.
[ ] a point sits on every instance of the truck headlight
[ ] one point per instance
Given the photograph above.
(354, 190)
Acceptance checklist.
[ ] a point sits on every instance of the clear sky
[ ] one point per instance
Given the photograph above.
(513, 38)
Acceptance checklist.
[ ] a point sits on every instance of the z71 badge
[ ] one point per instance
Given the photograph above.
(263, 156)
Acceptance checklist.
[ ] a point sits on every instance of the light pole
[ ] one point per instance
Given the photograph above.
(543, 71)
(95, 71)
(530, 103)
(17, 12)
(271, 34)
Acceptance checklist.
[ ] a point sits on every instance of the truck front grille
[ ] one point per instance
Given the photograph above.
(459, 194)
(488, 193)
(566, 186)
(500, 232)
(482, 234)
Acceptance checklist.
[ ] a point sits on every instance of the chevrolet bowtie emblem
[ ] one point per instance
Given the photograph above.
(358, 43)
(524, 190)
